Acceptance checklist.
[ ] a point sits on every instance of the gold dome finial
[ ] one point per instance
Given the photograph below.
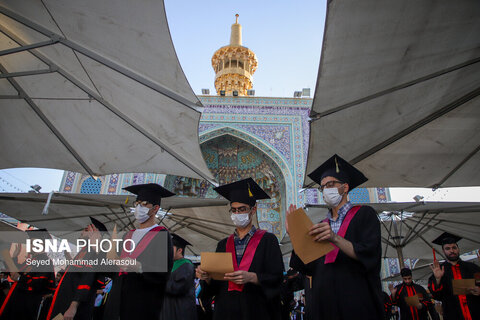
(236, 34)
(234, 65)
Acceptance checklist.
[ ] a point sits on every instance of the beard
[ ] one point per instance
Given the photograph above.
(452, 257)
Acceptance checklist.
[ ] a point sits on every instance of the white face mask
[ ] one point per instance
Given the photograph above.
(240, 220)
(141, 213)
(331, 197)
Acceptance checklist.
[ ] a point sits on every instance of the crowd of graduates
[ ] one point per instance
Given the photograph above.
(343, 284)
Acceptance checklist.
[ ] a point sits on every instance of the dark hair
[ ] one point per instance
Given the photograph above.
(449, 240)
(405, 272)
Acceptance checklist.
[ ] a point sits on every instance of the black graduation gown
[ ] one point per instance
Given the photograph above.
(348, 288)
(407, 312)
(255, 301)
(387, 304)
(444, 292)
(179, 300)
(79, 285)
(26, 295)
(140, 295)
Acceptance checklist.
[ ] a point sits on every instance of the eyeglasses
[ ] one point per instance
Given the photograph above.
(142, 203)
(330, 184)
(239, 210)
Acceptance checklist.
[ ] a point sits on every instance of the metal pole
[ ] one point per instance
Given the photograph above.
(400, 257)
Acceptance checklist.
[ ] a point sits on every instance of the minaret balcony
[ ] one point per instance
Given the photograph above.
(234, 70)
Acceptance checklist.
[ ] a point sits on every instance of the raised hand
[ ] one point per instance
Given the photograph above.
(438, 271)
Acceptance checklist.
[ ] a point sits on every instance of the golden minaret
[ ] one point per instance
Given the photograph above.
(234, 65)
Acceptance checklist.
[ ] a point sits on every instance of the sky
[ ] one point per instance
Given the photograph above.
(286, 37)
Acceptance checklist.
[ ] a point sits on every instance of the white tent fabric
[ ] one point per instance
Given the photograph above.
(95, 87)
(202, 227)
(398, 90)
(70, 212)
(417, 225)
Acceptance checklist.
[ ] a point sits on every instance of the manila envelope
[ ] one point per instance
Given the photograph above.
(216, 264)
(305, 247)
(477, 278)
(460, 286)
(58, 317)
(413, 301)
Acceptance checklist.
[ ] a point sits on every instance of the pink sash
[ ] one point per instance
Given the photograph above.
(247, 256)
(141, 245)
(332, 255)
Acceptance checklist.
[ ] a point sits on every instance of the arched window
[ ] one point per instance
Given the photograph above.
(91, 186)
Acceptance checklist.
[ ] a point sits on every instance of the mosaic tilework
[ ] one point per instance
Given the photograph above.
(138, 178)
(112, 184)
(277, 136)
(256, 101)
(383, 195)
(68, 182)
(302, 111)
(295, 167)
(359, 195)
(91, 186)
(312, 196)
(279, 161)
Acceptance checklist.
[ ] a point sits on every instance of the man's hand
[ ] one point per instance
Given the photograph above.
(393, 290)
(202, 275)
(93, 233)
(474, 290)
(322, 231)
(71, 311)
(241, 277)
(438, 271)
(290, 210)
(419, 306)
(132, 267)
(15, 276)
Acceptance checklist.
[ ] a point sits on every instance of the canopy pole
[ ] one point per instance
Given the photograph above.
(400, 257)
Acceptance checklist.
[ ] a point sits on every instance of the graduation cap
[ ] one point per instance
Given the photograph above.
(338, 168)
(179, 242)
(100, 226)
(150, 192)
(244, 191)
(446, 238)
(38, 234)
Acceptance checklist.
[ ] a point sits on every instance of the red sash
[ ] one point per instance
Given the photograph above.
(462, 299)
(5, 302)
(144, 242)
(247, 256)
(332, 255)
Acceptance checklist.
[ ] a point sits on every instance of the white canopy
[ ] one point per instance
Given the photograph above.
(95, 87)
(70, 211)
(202, 227)
(397, 92)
